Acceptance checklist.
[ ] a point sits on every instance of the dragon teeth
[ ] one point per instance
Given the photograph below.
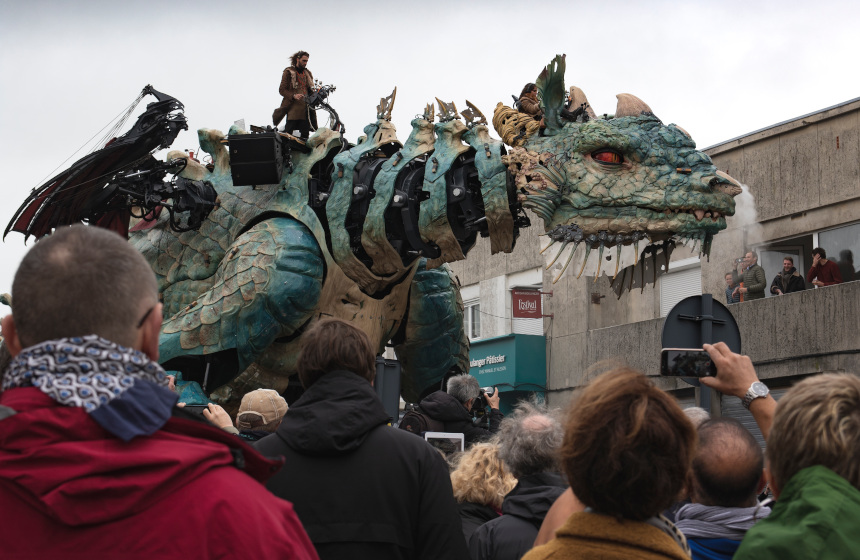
(699, 214)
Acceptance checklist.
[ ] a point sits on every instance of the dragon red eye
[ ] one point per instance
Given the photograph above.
(608, 156)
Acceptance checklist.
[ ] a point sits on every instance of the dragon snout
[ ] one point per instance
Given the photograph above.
(725, 183)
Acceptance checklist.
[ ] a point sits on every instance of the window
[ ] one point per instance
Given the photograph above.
(842, 244)
(472, 319)
(683, 280)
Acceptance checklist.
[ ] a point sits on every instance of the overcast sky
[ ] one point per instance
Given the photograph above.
(719, 69)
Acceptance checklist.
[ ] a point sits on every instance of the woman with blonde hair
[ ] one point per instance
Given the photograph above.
(480, 484)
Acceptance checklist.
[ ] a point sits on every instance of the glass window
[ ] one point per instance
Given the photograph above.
(842, 244)
(472, 319)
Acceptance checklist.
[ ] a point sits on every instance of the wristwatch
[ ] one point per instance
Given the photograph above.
(756, 391)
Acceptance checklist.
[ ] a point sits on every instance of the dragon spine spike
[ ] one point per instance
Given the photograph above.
(447, 111)
(560, 251)
(475, 116)
(584, 260)
(630, 106)
(386, 104)
(567, 262)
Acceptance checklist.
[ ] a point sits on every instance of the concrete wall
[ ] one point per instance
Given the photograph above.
(808, 332)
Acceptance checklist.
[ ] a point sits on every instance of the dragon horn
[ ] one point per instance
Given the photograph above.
(551, 243)
(560, 251)
(599, 262)
(630, 106)
(585, 260)
(577, 99)
(569, 258)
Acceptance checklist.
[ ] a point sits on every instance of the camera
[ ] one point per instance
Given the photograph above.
(739, 261)
(478, 412)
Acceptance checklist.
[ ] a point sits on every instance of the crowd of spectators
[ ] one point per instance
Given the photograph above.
(748, 281)
(99, 460)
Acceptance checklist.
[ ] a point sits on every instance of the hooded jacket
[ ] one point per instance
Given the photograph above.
(70, 490)
(446, 409)
(815, 517)
(362, 488)
(510, 536)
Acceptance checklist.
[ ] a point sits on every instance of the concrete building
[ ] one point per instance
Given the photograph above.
(804, 176)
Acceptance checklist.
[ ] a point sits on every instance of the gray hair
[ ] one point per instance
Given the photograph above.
(463, 387)
(697, 415)
(530, 439)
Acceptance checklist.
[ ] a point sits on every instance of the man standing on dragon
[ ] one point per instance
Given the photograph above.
(296, 83)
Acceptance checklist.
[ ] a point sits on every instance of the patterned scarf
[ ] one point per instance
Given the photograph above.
(697, 521)
(121, 388)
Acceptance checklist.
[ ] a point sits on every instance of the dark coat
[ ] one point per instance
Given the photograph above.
(795, 283)
(446, 409)
(361, 488)
(510, 536)
(474, 515)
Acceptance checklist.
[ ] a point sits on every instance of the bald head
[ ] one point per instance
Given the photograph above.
(82, 280)
(728, 465)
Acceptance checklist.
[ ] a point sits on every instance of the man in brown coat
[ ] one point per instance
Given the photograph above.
(296, 83)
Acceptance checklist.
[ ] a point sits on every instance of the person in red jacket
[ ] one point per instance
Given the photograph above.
(823, 272)
(96, 461)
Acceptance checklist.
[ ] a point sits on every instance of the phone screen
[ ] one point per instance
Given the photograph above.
(686, 362)
(446, 442)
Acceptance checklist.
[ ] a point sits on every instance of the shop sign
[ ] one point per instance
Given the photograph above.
(526, 304)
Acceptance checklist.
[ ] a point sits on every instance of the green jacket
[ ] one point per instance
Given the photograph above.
(754, 281)
(816, 516)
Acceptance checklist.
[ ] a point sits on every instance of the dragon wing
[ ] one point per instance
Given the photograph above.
(84, 191)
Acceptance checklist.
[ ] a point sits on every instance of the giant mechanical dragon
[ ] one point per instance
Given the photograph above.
(362, 232)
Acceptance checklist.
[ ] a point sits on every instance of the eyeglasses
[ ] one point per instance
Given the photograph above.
(145, 315)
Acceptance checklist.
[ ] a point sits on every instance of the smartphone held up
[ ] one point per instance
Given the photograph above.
(686, 362)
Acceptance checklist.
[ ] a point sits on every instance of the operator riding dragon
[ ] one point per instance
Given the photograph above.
(363, 232)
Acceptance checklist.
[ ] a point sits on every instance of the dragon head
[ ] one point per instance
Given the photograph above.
(612, 181)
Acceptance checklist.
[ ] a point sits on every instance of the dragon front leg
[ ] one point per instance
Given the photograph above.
(266, 287)
(432, 340)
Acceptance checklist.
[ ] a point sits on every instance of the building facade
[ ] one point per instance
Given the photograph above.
(804, 181)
